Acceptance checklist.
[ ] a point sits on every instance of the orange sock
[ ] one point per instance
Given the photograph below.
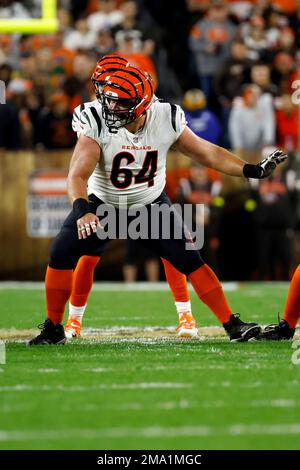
(83, 280)
(177, 282)
(292, 305)
(209, 290)
(58, 284)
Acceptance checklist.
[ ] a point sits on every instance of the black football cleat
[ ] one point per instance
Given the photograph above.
(238, 330)
(50, 334)
(277, 332)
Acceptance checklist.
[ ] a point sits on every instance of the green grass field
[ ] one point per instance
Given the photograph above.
(126, 388)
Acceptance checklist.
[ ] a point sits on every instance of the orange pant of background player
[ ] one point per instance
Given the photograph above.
(292, 306)
(60, 286)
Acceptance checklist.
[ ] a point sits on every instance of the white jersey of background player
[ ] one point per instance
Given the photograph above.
(145, 149)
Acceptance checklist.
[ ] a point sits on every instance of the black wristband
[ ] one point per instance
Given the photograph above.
(252, 171)
(80, 208)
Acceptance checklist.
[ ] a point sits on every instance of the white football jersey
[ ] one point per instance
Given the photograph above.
(132, 167)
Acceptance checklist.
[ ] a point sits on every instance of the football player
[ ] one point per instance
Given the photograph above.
(102, 172)
(285, 328)
(84, 272)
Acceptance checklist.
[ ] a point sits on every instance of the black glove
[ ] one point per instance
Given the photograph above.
(266, 166)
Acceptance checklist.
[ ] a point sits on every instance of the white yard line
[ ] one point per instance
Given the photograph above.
(110, 286)
(83, 388)
(152, 432)
(148, 334)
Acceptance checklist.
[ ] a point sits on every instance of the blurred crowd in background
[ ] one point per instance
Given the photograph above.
(230, 64)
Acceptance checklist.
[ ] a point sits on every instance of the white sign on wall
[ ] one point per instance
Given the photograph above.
(47, 203)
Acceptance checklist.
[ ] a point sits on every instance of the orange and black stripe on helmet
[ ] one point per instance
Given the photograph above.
(132, 90)
(106, 66)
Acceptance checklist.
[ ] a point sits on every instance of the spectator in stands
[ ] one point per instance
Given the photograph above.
(80, 7)
(233, 73)
(10, 130)
(274, 218)
(78, 87)
(5, 73)
(228, 82)
(54, 125)
(28, 65)
(241, 9)
(10, 9)
(144, 27)
(283, 67)
(261, 76)
(256, 39)
(64, 21)
(130, 46)
(107, 16)
(287, 118)
(82, 37)
(275, 19)
(5, 47)
(62, 56)
(286, 41)
(105, 43)
(197, 188)
(141, 26)
(210, 42)
(252, 124)
(17, 92)
(203, 122)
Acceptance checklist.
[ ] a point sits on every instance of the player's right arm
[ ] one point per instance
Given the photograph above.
(83, 162)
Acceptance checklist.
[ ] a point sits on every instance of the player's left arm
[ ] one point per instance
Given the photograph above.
(220, 159)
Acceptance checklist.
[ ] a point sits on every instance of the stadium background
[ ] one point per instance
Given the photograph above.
(243, 55)
(130, 382)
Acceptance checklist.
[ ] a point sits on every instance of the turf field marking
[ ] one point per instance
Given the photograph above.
(121, 333)
(168, 405)
(152, 432)
(47, 371)
(278, 403)
(111, 286)
(187, 404)
(260, 429)
(16, 408)
(82, 388)
(138, 334)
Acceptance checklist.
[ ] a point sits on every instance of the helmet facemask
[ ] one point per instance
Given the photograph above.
(116, 111)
